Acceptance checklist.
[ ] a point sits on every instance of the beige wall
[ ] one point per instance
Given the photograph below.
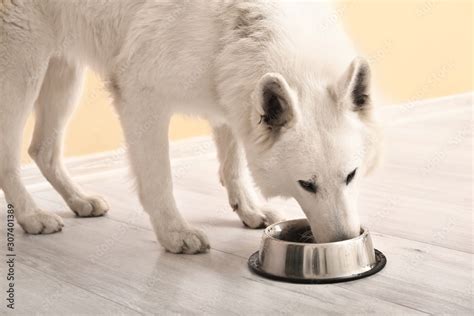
(418, 49)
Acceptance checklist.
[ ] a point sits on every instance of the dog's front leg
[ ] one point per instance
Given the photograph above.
(234, 175)
(147, 139)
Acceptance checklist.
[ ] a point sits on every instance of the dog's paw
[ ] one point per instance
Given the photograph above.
(188, 241)
(88, 206)
(41, 222)
(259, 217)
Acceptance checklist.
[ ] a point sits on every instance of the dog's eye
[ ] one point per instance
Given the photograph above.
(309, 186)
(350, 176)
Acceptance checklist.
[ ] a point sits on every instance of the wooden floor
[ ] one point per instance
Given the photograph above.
(418, 207)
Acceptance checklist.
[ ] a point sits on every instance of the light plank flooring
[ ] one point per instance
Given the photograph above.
(418, 207)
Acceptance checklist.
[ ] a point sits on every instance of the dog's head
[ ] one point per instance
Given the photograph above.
(314, 144)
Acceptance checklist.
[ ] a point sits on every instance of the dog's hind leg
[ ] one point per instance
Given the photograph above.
(56, 102)
(22, 68)
(235, 176)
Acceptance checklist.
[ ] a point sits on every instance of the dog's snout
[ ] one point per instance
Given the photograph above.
(334, 233)
(345, 235)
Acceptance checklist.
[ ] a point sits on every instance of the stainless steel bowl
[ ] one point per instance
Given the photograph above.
(285, 254)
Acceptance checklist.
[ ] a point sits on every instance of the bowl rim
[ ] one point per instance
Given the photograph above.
(364, 234)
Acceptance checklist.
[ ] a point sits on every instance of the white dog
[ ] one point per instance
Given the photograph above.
(279, 82)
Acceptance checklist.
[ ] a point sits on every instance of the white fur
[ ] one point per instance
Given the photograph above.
(207, 58)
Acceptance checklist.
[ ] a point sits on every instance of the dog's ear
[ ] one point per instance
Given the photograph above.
(275, 103)
(354, 86)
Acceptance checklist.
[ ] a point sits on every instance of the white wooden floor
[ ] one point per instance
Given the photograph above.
(418, 206)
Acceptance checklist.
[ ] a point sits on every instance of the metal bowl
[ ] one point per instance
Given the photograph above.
(287, 253)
